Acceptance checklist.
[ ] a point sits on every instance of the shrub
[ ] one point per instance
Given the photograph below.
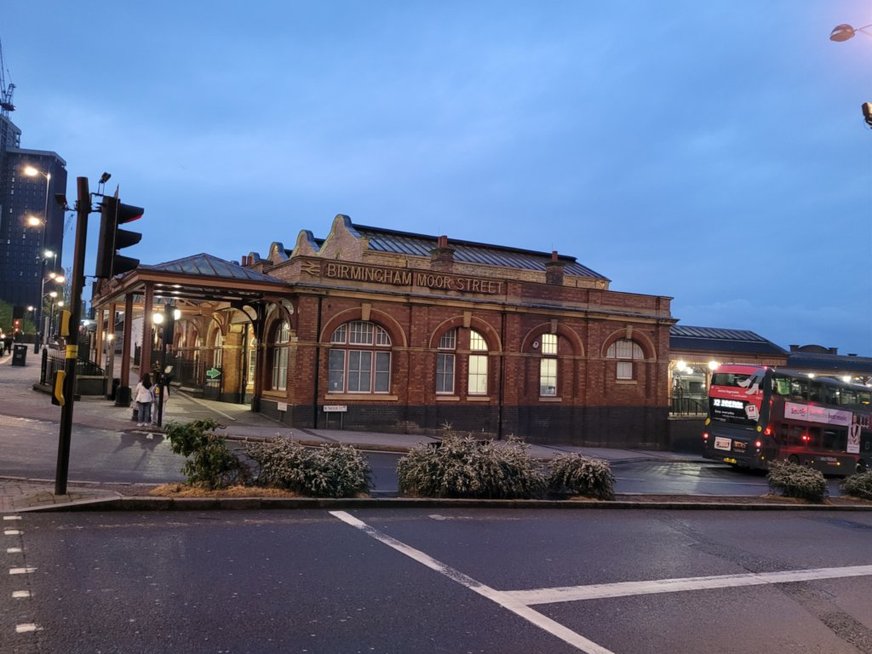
(465, 467)
(859, 485)
(576, 474)
(328, 471)
(794, 480)
(210, 463)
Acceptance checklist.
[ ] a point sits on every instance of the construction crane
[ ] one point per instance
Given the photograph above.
(5, 91)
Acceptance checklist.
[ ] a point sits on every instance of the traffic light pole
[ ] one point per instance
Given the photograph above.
(83, 208)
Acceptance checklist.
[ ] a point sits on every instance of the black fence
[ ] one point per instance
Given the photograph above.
(688, 406)
(53, 359)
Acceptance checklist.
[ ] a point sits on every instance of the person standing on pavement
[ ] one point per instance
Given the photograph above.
(143, 395)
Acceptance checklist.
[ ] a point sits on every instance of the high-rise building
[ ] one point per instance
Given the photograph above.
(31, 221)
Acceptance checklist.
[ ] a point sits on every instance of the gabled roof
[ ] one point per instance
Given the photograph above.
(420, 245)
(207, 265)
(713, 339)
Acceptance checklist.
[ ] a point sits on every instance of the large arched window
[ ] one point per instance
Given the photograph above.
(626, 352)
(477, 373)
(359, 359)
(279, 356)
(548, 365)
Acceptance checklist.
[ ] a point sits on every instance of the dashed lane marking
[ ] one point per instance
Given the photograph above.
(13, 550)
(27, 627)
(12, 532)
(20, 594)
(12, 517)
(503, 599)
(21, 571)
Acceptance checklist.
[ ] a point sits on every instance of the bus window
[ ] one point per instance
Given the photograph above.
(834, 439)
(798, 389)
(781, 386)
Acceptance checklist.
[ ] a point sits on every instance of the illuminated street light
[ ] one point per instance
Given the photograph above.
(33, 221)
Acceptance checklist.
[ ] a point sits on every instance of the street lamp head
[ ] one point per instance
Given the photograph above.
(48, 254)
(60, 279)
(845, 32)
(30, 171)
(52, 293)
(105, 177)
(30, 307)
(33, 221)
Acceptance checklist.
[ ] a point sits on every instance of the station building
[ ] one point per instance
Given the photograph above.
(377, 329)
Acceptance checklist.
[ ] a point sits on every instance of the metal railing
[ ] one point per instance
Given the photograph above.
(688, 406)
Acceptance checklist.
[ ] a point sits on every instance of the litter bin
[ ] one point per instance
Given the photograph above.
(19, 354)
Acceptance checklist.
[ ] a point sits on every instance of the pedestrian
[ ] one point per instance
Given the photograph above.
(143, 395)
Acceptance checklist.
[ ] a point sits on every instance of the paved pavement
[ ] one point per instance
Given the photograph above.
(18, 397)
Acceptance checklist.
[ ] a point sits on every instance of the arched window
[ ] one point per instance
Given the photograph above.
(548, 365)
(279, 356)
(626, 352)
(445, 362)
(477, 373)
(360, 359)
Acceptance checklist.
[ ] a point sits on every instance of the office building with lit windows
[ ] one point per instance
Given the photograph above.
(31, 221)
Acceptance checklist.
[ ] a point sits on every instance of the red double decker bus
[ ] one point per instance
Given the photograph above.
(759, 414)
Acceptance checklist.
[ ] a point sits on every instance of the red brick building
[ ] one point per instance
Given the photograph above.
(375, 329)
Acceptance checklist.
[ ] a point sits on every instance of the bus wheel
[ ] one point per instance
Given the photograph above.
(793, 459)
(861, 466)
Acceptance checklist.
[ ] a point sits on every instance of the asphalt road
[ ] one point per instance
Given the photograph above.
(29, 449)
(487, 581)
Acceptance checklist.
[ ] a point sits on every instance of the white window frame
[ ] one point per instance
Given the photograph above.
(626, 351)
(364, 366)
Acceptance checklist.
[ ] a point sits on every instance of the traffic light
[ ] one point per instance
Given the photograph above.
(113, 213)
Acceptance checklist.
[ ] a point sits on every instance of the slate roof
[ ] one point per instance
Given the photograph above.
(830, 362)
(713, 339)
(420, 245)
(207, 265)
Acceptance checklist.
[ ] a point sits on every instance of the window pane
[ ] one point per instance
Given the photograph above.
(476, 341)
(477, 374)
(359, 371)
(448, 340)
(625, 349)
(339, 335)
(548, 377)
(382, 372)
(361, 333)
(283, 333)
(549, 343)
(444, 373)
(280, 369)
(625, 369)
(381, 336)
(336, 371)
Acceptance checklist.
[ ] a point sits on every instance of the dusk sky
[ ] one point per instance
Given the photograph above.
(712, 151)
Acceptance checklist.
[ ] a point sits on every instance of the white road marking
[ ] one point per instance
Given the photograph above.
(13, 550)
(629, 588)
(21, 571)
(12, 532)
(12, 517)
(503, 599)
(20, 594)
(27, 627)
